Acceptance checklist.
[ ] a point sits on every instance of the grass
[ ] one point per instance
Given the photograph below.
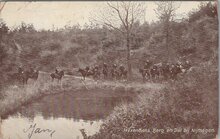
(189, 103)
(16, 96)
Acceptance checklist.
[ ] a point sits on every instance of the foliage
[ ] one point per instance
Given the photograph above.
(205, 9)
(189, 102)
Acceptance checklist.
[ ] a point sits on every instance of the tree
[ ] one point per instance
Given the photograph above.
(24, 28)
(205, 9)
(166, 12)
(3, 32)
(3, 27)
(121, 16)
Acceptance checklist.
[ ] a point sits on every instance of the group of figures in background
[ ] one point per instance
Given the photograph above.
(164, 71)
(22, 75)
(115, 72)
(149, 71)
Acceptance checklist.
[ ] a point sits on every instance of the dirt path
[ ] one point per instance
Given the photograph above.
(90, 81)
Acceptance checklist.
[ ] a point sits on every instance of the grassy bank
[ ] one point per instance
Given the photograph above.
(190, 103)
(16, 96)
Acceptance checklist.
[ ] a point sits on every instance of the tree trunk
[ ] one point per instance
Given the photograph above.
(167, 39)
(128, 56)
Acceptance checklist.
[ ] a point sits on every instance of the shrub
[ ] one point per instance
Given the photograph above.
(188, 103)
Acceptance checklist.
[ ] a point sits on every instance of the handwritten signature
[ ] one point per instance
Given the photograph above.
(32, 129)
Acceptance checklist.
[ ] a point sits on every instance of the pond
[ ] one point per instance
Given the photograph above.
(60, 116)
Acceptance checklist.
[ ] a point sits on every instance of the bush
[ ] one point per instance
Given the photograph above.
(190, 103)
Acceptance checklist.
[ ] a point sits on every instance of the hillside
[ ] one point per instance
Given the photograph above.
(191, 101)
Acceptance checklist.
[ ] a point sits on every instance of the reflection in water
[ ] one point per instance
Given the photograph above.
(64, 113)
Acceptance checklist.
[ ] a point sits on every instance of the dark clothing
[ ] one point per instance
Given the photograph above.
(175, 70)
(105, 71)
(187, 66)
(31, 70)
(20, 70)
(87, 68)
(147, 65)
(166, 71)
(122, 68)
(56, 71)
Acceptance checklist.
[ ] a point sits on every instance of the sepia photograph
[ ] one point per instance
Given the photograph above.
(109, 70)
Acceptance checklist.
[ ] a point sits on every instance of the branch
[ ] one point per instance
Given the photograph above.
(126, 18)
(107, 24)
(132, 17)
(117, 10)
(2, 6)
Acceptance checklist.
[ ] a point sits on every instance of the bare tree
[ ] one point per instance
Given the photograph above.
(121, 16)
(166, 12)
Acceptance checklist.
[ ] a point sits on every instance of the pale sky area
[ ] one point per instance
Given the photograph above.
(43, 15)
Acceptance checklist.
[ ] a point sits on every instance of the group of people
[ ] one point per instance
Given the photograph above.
(114, 72)
(57, 75)
(149, 71)
(23, 75)
(163, 70)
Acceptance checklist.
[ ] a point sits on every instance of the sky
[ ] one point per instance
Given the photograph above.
(45, 15)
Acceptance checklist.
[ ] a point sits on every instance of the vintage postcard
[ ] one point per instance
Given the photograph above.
(109, 70)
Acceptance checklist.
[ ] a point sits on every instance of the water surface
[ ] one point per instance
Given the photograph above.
(63, 113)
